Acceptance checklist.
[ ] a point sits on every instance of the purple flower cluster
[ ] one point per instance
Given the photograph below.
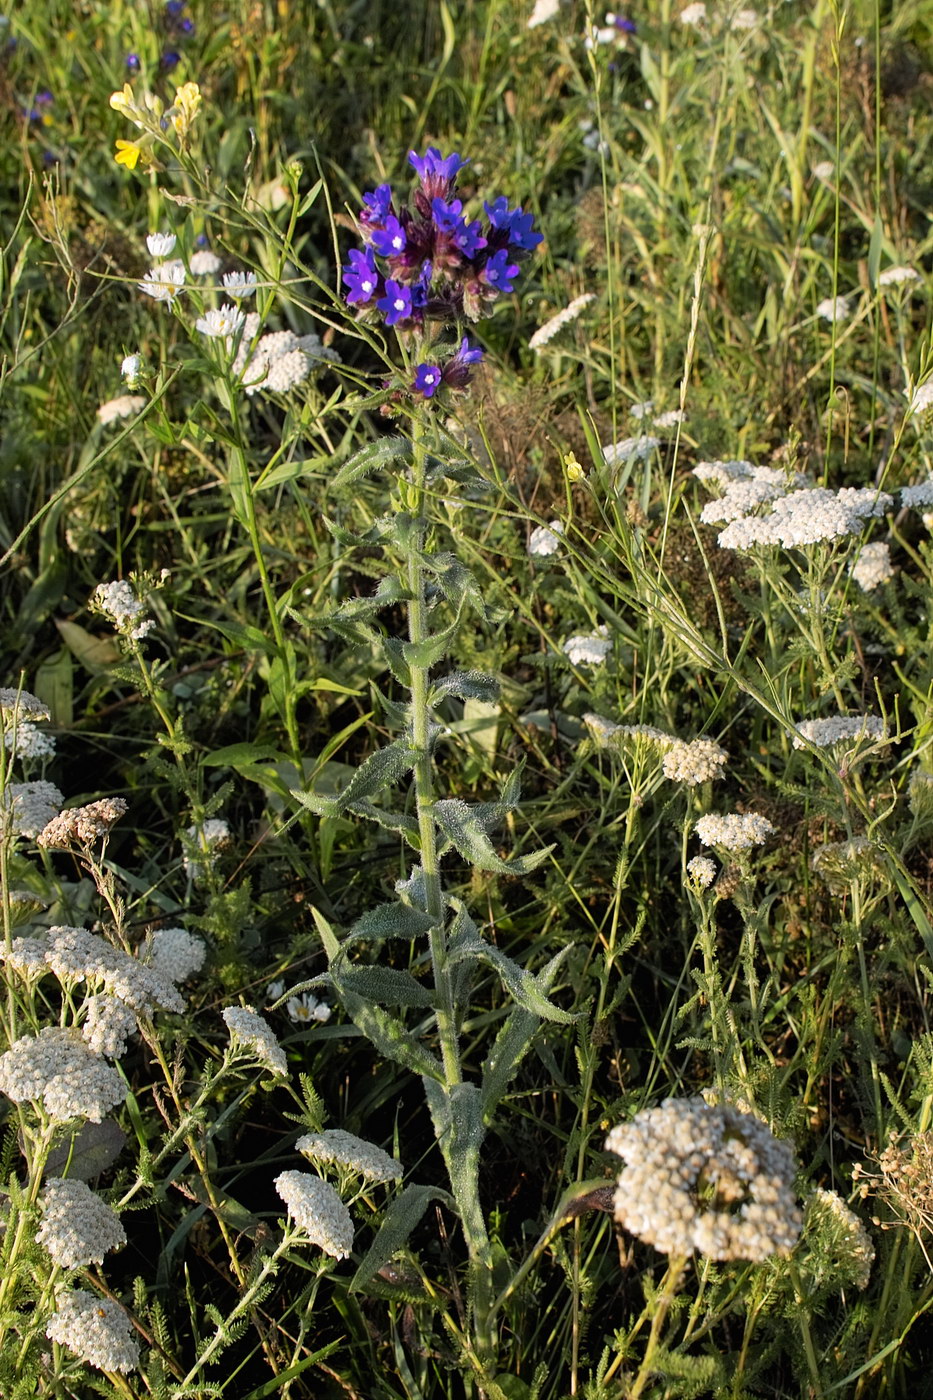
(428, 261)
(177, 27)
(455, 374)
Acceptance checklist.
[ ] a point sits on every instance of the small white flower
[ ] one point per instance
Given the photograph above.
(919, 495)
(118, 602)
(837, 729)
(545, 539)
(239, 284)
(223, 322)
(670, 419)
(834, 309)
(204, 263)
(642, 410)
(588, 649)
(744, 19)
(164, 281)
(694, 15)
(305, 1008)
(893, 276)
(122, 407)
(615, 453)
(160, 244)
(130, 368)
(30, 742)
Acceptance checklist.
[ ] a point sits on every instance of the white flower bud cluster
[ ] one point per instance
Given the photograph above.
(705, 1179)
(838, 729)
(838, 863)
(279, 361)
(108, 1024)
(209, 838)
(347, 1150)
(922, 398)
(83, 825)
(895, 276)
(26, 808)
(544, 540)
(77, 1226)
(588, 649)
(918, 497)
(316, 1209)
(26, 741)
(96, 1329)
(639, 448)
(702, 871)
(127, 612)
(873, 567)
(75, 955)
(174, 953)
(18, 705)
(563, 318)
(920, 794)
(737, 831)
(693, 763)
(58, 1067)
(249, 1029)
(841, 1246)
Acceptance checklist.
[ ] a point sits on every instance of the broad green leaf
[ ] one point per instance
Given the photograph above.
(54, 685)
(378, 771)
(389, 921)
(403, 1214)
(386, 986)
(290, 471)
(96, 654)
(468, 685)
(391, 1037)
(370, 458)
(238, 755)
(464, 830)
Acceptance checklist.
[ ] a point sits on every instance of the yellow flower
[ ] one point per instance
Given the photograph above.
(123, 101)
(128, 154)
(573, 469)
(185, 109)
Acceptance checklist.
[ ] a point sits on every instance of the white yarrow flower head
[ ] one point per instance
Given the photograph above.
(208, 840)
(305, 1008)
(918, 496)
(344, 1149)
(670, 419)
(175, 953)
(615, 454)
(74, 955)
(834, 309)
(256, 1035)
(588, 649)
(164, 281)
(96, 1329)
(873, 567)
(123, 406)
(27, 741)
(17, 705)
(824, 170)
(83, 826)
(547, 332)
(118, 602)
(27, 808)
(108, 1025)
(693, 15)
(641, 410)
(160, 245)
(701, 871)
(700, 761)
(706, 1179)
(316, 1209)
(843, 1252)
(840, 729)
(543, 11)
(204, 263)
(77, 1227)
(239, 284)
(221, 322)
(897, 276)
(544, 540)
(744, 19)
(737, 831)
(59, 1068)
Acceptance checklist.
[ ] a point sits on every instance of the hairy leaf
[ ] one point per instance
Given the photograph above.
(400, 1219)
(389, 921)
(370, 458)
(464, 828)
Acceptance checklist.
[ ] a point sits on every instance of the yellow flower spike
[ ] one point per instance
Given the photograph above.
(187, 103)
(127, 154)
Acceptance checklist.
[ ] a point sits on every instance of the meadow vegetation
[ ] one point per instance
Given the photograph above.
(466, 501)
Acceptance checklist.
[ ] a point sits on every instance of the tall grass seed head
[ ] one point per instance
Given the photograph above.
(96, 1329)
(77, 1227)
(705, 1179)
(316, 1209)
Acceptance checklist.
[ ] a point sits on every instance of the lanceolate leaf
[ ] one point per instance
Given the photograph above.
(385, 986)
(378, 771)
(391, 1037)
(400, 1219)
(512, 1044)
(389, 921)
(464, 828)
(468, 685)
(377, 454)
(457, 1114)
(523, 987)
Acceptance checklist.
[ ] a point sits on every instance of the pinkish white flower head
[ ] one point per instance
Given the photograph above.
(919, 496)
(27, 741)
(701, 871)
(693, 16)
(922, 398)
(305, 1008)
(160, 245)
(221, 322)
(544, 540)
(318, 1211)
(840, 729)
(164, 281)
(873, 566)
(588, 649)
(700, 761)
(239, 284)
(570, 313)
(60, 1069)
(834, 309)
(118, 602)
(26, 808)
(83, 825)
(256, 1036)
(737, 831)
(97, 1330)
(78, 1228)
(342, 1149)
(706, 1180)
(204, 263)
(174, 953)
(123, 406)
(616, 454)
(898, 276)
